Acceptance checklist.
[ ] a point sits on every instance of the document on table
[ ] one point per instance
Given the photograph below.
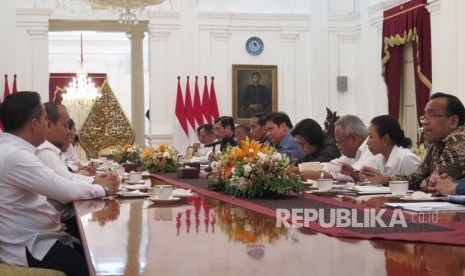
(368, 190)
(427, 206)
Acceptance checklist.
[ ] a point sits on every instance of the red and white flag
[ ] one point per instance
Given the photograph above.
(181, 131)
(14, 89)
(188, 106)
(197, 104)
(6, 91)
(213, 103)
(180, 110)
(206, 102)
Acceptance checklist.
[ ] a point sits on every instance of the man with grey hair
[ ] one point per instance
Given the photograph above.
(351, 135)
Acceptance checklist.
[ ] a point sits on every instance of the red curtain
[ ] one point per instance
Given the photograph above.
(58, 82)
(409, 22)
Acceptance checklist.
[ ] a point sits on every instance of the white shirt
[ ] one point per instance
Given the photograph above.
(401, 161)
(363, 157)
(201, 155)
(56, 160)
(27, 218)
(71, 154)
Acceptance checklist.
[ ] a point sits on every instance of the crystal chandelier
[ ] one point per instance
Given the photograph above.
(126, 9)
(81, 87)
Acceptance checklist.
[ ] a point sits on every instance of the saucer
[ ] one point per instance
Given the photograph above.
(134, 182)
(168, 200)
(140, 187)
(132, 194)
(181, 193)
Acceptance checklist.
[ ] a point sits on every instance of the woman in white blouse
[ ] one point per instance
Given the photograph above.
(387, 138)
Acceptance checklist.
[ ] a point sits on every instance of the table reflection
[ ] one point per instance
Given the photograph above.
(204, 236)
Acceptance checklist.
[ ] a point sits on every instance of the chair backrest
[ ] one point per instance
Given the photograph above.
(331, 118)
(7, 270)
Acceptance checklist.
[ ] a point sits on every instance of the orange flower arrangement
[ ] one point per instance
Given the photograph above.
(127, 154)
(163, 158)
(253, 171)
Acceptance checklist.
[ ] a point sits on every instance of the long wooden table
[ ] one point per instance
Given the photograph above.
(204, 236)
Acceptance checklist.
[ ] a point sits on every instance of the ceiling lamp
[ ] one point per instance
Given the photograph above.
(128, 10)
(81, 87)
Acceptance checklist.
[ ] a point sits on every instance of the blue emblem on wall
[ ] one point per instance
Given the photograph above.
(254, 46)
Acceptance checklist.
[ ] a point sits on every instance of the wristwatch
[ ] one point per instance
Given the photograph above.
(107, 192)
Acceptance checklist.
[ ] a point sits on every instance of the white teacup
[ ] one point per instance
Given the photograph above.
(163, 191)
(135, 176)
(398, 188)
(324, 184)
(117, 169)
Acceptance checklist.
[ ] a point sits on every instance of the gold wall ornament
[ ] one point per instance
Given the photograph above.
(106, 125)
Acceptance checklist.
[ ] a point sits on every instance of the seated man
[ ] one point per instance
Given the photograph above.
(444, 130)
(32, 234)
(257, 128)
(206, 136)
(57, 138)
(224, 130)
(278, 131)
(350, 135)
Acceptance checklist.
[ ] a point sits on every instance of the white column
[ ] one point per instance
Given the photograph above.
(288, 95)
(33, 74)
(137, 86)
(161, 99)
(319, 59)
(7, 40)
(219, 52)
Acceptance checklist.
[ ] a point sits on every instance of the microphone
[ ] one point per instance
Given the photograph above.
(214, 143)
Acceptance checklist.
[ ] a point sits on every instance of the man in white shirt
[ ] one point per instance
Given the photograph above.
(56, 139)
(351, 136)
(31, 231)
(206, 136)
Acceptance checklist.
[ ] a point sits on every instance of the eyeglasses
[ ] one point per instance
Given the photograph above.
(429, 117)
(338, 143)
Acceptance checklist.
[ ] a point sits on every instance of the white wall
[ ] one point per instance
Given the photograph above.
(311, 42)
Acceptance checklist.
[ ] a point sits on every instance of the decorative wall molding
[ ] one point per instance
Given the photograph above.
(164, 21)
(347, 27)
(221, 35)
(288, 36)
(434, 6)
(257, 22)
(159, 35)
(32, 17)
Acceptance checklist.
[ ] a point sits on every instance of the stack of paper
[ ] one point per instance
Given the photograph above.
(366, 190)
(428, 206)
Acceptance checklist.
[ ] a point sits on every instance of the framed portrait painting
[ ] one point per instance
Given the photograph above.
(254, 89)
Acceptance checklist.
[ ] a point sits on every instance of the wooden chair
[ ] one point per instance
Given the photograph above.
(331, 118)
(7, 270)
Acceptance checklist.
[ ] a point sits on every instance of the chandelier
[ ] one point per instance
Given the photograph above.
(127, 10)
(81, 87)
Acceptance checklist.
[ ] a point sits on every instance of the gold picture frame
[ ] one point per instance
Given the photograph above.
(251, 95)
